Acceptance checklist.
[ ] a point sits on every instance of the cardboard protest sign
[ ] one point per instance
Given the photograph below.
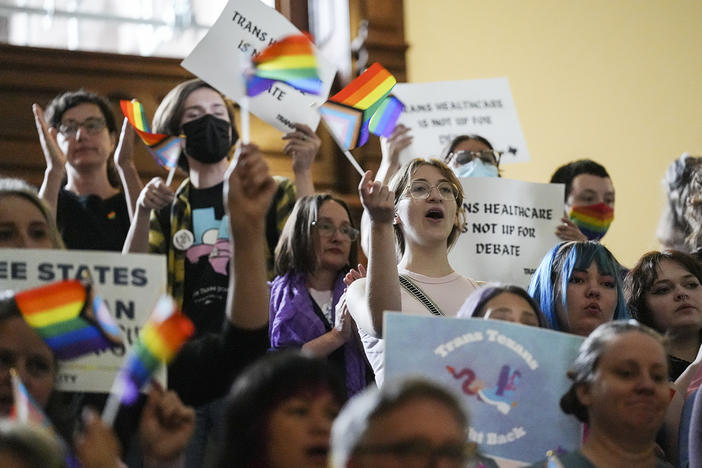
(129, 284)
(440, 111)
(511, 378)
(244, 28)
(511, 224)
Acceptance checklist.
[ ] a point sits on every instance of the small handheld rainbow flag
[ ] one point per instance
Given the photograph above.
(159, 340)
(67, 319)
(362, 106)
(290, 60)
(165, 149)
(24, 408)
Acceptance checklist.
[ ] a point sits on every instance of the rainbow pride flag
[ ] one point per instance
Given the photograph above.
(164, 149)
(67, 319)
(364, 105)
(290, 60)
(159, 341)
(383, 121)
(24, 408)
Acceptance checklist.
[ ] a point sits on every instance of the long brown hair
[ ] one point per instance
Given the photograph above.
(295, 249)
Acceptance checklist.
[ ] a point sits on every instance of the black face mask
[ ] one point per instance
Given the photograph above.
(207, 139)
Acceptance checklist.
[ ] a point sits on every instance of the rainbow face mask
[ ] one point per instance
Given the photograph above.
(592, 220)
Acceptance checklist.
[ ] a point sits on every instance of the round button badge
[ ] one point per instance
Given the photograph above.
(183, 239)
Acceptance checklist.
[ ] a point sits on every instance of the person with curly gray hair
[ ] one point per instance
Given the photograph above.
(674, 228)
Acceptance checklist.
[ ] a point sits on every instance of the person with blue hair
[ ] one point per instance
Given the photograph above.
(578, 287)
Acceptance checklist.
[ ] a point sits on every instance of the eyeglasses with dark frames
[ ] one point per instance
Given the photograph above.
(327, 229)
(421, 453)
(421, 190)
(92, 125)
(464, 157)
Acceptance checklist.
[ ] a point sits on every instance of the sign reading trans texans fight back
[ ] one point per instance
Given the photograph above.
(511, 378)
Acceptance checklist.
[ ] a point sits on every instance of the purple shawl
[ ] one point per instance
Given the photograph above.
(293, 323)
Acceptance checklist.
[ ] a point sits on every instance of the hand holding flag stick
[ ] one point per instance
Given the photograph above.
(166, 330)
(165, 149)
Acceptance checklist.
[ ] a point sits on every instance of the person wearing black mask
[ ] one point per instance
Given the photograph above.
(190, 225)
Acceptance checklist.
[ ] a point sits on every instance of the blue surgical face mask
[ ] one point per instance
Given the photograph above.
(476, 168)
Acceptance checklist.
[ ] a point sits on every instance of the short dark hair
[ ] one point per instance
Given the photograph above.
(639, 280)
(461, 138)
(566, 173)
(352, 424)
(170, 112)
(295, 249)
(70, 99)
(475, 303)
(259, 390)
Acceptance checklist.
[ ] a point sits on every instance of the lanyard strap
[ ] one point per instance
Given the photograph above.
(413, 289)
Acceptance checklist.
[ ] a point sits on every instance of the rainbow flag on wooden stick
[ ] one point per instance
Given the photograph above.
(159, 341)
(290, 60)
(68, 319)
(165, 149)
(362, 106)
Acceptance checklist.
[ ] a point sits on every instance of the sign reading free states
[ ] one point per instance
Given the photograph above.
(439, 112)
(510, 377)
(129, 284)
(509, 227)
(244, 28)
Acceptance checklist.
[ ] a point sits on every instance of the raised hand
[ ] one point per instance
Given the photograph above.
(568, 231)
(353, 275)
(302, 145)
(54, 156)
(96, 445)
(248, 189)
(125, 146)
(166, 425)
(155, 195)
(343, 322)
(392, 147)
(377, 199)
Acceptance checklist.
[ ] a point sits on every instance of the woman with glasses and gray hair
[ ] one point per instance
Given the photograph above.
(78, 136)
(413, 223)
(408, 423)
(308, 306)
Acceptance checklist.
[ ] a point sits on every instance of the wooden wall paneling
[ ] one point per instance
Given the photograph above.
(37, 75)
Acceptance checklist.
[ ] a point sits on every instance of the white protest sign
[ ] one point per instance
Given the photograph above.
(129, 285)
(439, 112)
(245, 28)
(511, 224)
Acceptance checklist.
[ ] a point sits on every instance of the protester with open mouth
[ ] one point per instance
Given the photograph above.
(279, 413)
(578, 288)
(421, 215)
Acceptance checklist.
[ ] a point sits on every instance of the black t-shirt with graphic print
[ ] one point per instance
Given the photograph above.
(207, 261)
